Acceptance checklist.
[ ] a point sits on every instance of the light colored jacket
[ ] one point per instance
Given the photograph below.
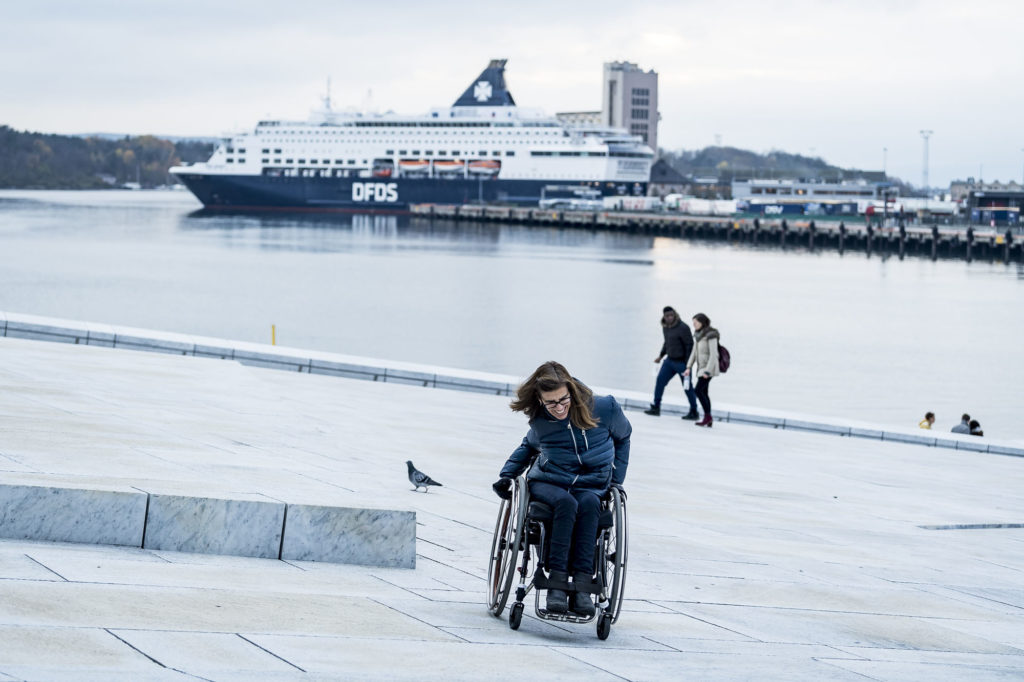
(704, 356)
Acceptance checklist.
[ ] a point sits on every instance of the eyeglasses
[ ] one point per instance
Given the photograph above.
(561, 402)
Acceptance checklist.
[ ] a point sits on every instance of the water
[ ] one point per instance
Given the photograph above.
(855, 337)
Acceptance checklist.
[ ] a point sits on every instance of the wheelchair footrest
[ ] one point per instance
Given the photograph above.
(568, 617)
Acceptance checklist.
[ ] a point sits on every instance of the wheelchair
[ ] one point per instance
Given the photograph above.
(520, 547)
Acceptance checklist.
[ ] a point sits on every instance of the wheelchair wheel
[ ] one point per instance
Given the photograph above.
(505, 548)
(615, 560)
(515, 615)
(604, 626)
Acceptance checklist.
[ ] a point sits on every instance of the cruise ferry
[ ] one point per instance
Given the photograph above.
(484, 148)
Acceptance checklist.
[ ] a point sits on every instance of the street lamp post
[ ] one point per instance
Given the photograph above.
(925, 134)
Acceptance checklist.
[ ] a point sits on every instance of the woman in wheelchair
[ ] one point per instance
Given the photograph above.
(577, 447)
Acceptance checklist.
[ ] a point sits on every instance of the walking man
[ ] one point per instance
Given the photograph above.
(675, 351)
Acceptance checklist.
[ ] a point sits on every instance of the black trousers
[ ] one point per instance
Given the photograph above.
(573, 526)
(702, 394)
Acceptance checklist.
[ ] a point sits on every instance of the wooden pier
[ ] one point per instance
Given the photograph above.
(924, 241)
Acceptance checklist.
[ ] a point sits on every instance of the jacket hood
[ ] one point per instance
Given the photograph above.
(707, 333)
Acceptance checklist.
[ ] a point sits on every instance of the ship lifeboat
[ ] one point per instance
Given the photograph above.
(414, 166)
(383, 168)
(484, 167)
(449, 166)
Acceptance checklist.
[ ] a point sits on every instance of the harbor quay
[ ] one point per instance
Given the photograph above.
(932, 242)
(755, 553)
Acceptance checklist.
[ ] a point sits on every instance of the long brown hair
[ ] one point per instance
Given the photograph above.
(549, 377)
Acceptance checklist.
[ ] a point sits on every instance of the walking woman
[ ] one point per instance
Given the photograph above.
(578, 444)
(703, 362)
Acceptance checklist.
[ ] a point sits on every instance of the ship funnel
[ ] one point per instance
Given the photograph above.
(488, 90)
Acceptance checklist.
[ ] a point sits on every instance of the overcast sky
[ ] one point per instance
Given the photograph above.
(839, 80)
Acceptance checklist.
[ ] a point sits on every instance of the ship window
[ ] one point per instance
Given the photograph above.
(495, 153)
(302, 161)
(231, 160)
(230, 150)
(289, 161)
(264, 160)
(456, 153)
(277, 151)
(428, 153)
(510, 153)
(415, 151)
(390, 151)
(352, 161)
(483, 153)
(311, 160)
(264, 151)
(402, 152)
(326, 161)
(339, 161)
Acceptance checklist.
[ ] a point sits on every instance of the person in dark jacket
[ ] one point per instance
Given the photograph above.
(576, 448)
(677, 347)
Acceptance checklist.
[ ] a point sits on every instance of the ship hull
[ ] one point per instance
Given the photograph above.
(260, 192)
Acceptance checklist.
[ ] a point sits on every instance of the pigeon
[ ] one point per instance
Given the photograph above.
(419, 479)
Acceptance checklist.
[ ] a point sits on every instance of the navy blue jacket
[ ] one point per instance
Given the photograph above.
(575, 458)
(678, 342)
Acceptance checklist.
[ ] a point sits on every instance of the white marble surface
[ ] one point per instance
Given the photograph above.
(373, 537)
(62, 514)
(755, 553)
(208, 525)
(395, 371)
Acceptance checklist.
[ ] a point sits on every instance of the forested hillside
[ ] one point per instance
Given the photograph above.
(40, 161)
(730, 162)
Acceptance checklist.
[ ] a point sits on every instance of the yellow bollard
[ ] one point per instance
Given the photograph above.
(273, 335)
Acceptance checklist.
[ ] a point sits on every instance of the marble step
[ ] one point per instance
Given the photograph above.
(207, 525)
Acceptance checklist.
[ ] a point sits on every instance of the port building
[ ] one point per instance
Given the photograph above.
(630, 100)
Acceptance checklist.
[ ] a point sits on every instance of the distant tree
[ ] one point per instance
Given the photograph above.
(39, 161)
(729, 163)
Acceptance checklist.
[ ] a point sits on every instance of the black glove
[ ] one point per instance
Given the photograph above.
(503, 488)
(622, 491)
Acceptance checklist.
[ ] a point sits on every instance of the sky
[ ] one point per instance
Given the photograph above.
(853, 83)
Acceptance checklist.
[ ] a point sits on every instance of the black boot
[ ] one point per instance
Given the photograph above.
(653, 410)
(582, 603)
(558, 600)
(691, 415)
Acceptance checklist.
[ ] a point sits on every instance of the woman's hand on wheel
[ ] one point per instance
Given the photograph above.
(503, 488)
(622, 491)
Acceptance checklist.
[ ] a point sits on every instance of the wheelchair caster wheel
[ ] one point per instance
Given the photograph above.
(604, 626)
(515, 616)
